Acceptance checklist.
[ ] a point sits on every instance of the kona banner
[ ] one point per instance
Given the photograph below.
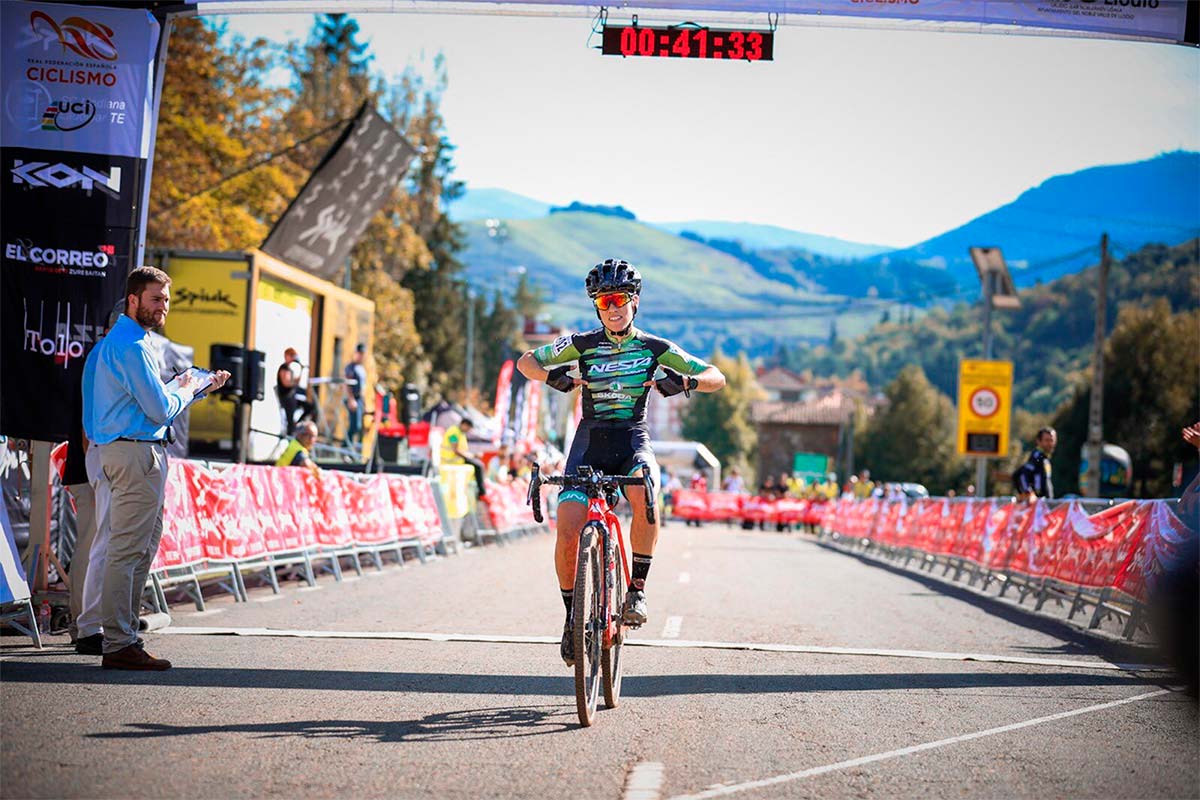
(77, 94)
(345, 191)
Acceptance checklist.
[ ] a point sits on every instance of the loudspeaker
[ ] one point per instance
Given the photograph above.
(231, 358)
(256, 374)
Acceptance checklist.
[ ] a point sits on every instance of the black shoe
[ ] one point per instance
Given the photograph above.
(90, 645)
(567, 648)
(634, 613)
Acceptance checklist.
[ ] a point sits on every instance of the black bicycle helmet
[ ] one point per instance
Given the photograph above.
(613, 275)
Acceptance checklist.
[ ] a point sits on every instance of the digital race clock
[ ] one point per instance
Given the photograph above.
(688, 42)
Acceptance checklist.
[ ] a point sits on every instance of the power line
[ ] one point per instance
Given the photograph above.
(249, 168)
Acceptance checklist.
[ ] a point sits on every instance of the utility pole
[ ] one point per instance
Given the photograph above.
(1095, 439)
(989, 288)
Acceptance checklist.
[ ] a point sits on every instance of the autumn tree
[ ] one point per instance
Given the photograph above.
(218, 115)
(911, 439)
(721, 420)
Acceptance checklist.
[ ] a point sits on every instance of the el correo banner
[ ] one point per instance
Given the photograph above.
(77, 78)
(348, 187)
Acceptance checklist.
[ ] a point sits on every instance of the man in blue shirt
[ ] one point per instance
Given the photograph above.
(126, 414)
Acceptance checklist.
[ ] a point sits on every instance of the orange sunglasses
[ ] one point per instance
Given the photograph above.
(613, 300)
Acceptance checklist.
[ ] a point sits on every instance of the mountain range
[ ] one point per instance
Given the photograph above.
(751, 287)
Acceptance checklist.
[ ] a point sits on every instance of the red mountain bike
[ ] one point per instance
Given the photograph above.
(599, 583)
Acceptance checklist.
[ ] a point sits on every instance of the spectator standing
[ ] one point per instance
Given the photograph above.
(75, 478)
(127, 413)
(1033, 478)
(733, 482)
(497, 467)
(356, 378)
(455, 450)
(91, 546)
(299, 449)
(698, 483)
(292, 393)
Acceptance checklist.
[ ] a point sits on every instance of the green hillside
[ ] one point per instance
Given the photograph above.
(1049, 339)
(695, 292)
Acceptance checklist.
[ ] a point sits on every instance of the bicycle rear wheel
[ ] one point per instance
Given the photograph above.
(588, 625)
(610, 659)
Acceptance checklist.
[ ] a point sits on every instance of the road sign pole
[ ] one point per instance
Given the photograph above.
(981, 463)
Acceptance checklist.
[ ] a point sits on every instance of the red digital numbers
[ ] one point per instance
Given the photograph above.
(688, 42)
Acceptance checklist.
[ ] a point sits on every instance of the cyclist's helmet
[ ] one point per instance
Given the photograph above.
(613, 275)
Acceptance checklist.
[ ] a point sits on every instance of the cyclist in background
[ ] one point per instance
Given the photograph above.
(617, 365)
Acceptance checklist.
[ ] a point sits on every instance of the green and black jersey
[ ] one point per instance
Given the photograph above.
(615, 371)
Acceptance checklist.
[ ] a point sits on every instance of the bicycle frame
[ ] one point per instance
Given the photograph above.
(600, 513)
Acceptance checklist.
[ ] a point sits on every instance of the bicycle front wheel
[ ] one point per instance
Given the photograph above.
(610, 659)
(588, 625)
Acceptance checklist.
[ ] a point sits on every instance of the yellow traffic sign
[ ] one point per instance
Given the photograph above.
(984, 407)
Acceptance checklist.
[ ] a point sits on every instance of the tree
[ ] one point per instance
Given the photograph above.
(721, 420)
(912, 437)
(217, 115)
(1150, 393)
(498, 338)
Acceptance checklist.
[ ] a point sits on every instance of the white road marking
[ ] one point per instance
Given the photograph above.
(271, 598)
(685, 577)
(309, 588)
(721, 790)
(671, 629)
(208, 612)
(644, 781)
(687, 554)
(196, 630)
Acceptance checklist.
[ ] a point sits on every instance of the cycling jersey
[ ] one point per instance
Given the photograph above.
(615, 371)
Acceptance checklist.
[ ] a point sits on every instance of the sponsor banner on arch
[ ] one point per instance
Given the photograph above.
(78, 78)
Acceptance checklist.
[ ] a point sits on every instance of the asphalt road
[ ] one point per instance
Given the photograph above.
(456, 717)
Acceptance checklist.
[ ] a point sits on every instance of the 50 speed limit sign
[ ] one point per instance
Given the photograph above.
(984, 407)
(985, 402)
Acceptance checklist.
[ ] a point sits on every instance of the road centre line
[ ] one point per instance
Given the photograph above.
(643, 781)
(197, 630)
(721, 790)
(672, 628)
(685, 577)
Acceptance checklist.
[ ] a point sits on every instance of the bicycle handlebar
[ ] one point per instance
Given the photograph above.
(593, 483)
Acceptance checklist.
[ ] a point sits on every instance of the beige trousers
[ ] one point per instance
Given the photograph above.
(136, 473)
(85, 533)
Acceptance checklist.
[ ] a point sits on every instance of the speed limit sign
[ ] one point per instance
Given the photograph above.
(985, 402)
(984, 407)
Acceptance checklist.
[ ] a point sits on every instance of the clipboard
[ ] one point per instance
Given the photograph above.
(203, 378)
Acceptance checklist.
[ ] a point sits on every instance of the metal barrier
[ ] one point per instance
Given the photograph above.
(1106, 560)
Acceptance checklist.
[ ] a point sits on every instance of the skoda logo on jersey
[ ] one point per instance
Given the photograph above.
(620, 366)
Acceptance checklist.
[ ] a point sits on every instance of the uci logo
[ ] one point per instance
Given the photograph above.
(68, 115)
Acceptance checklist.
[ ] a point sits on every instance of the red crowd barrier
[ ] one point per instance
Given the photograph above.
(506, 505)
(1123, 547)
(246, 512)
(728, 506)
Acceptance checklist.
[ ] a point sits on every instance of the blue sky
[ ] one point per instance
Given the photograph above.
(880, 136)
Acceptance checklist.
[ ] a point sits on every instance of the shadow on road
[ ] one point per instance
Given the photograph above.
(1076, 640)
(454, 726)
(546, 686)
